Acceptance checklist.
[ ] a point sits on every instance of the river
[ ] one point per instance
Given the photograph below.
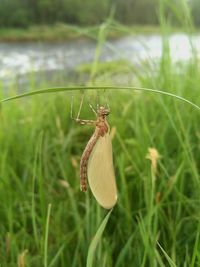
(18, 59)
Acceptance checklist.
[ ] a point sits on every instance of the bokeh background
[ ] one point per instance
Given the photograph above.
(15, 13)
(45, 220)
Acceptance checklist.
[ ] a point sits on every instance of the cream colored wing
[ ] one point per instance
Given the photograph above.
(100, 172)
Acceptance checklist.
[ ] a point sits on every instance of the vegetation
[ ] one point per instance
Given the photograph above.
(60, 32)
(157, 213)
(47, 221)
(23, 13)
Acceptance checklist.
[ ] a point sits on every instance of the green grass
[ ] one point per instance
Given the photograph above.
(41, 146)
(44, 218)
(55, 32)
(62, 32)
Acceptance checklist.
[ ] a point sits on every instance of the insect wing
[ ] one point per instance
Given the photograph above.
(101, 175)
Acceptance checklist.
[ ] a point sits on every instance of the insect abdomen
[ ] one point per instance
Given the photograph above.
(84, 161)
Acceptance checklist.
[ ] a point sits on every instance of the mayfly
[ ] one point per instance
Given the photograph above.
(97, 162)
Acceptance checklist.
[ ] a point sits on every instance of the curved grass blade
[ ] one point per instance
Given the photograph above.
(77, 88)
(95, 241)
(170, 261)
(46, 237)
(122, 255)
(56, 257)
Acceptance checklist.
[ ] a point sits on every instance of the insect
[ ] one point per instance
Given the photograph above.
(97, 162)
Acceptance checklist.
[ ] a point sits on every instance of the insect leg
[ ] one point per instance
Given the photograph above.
(90, 105)
(85, 122)
(80, 107)
(77, 119)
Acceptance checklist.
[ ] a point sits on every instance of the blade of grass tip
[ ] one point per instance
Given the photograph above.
(46, 237)
(101, 40)
(77, 88)
(123, 253)
(170, 261)
(56, 257)
(96, 239)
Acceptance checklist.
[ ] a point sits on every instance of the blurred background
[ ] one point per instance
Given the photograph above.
(45, 220)
(15, 13)
(52, 40)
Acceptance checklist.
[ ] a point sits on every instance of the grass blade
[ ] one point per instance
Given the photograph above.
(33, 204)
(170, 261)
(95, 241)
(195, 250)
(77, 88)
(56, 257)
(46, 237)
(123, 253)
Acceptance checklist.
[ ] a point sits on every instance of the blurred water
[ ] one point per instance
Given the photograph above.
(20, 58)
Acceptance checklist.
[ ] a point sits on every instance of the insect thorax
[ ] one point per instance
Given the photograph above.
(102, 126)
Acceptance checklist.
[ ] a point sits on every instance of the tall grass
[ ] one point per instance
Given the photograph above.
(44, 218)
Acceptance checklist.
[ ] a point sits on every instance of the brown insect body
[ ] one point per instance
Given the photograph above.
(101, 129)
